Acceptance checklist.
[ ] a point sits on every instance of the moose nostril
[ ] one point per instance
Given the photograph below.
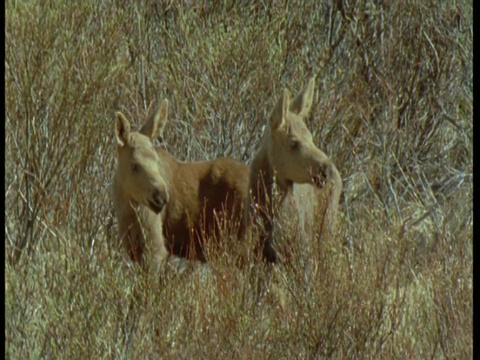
(323, 171)
(158, 198)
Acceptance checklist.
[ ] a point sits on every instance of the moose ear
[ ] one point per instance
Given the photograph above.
(122, 129)
(153, 128)
(302, 103)
(277, 118)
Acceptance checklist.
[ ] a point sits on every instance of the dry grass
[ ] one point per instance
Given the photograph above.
(393, 109)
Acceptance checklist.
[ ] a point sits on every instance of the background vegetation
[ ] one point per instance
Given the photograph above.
(393, 109)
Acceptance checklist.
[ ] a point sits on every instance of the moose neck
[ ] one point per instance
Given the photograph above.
(167, 164)
(263, 175)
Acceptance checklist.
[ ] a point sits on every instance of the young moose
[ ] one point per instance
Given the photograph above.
(203, 196)
(287, 155)
(139, 192)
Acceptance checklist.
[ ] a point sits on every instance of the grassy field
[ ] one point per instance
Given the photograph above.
(393, 109)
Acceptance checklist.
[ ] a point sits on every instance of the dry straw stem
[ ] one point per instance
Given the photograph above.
(393, 110)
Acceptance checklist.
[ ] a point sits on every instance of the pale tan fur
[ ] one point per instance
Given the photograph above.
(201, 195)
(139, 193)
(287, 155)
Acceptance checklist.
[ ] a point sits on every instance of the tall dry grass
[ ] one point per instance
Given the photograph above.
(393, 109)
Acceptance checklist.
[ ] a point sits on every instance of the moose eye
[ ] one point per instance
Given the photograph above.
(294, 145)
(135, 168)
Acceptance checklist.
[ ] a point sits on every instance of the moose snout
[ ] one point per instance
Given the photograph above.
(158, 201)
(320, 175)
